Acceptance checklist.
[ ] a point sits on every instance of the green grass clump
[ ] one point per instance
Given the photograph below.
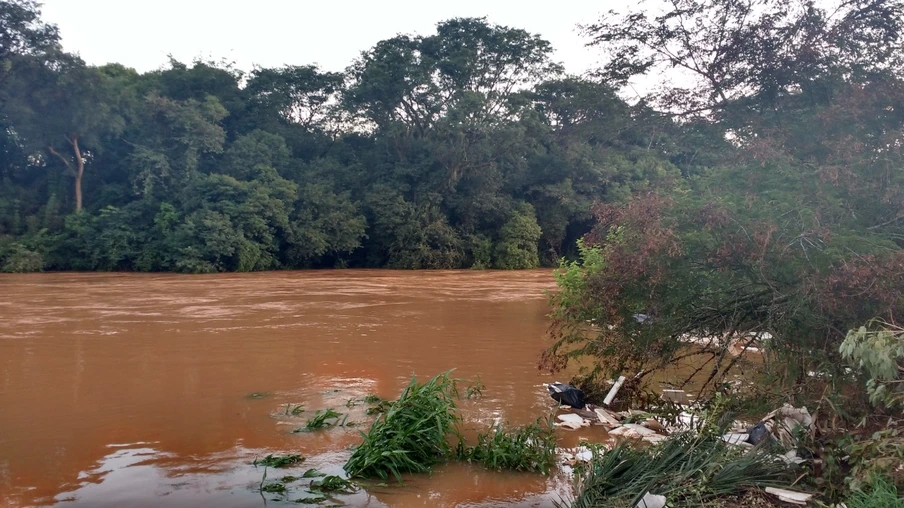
(321, 420)
(279, 460)
(312, 473)
(274, 488)
(333, 484)
(412, 435)
(311, 500)
(295, 410)
(529, 448)
(689, 470)
(879, 492)
(373, 399)
(475, 390)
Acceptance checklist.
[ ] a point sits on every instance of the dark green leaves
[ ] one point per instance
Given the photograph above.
(279, 460)
(412, 435)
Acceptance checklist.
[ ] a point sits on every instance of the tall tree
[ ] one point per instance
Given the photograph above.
(23, 34)
(64, 107)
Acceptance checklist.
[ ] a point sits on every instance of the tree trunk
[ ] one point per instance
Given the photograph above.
(79, 172)
(79, 168)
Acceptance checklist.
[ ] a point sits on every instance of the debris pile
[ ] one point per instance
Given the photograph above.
(780, 427)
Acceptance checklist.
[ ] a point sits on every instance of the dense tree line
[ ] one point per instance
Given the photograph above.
(465, 148)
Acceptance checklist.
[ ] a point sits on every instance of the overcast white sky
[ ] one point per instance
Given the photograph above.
(271, 33)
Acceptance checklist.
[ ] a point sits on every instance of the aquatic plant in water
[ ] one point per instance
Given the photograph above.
(412, 435)
(295, 410)
(333, 484)
(321, 419)
(528, 448)
(475, 390)
(279, 460)
(313, 473)
(373, 399)
(274, 488)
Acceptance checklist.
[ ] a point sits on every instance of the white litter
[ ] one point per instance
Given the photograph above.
(789, 496)
(736, 438)
(606, 418)
(651, 501)
(615, 388)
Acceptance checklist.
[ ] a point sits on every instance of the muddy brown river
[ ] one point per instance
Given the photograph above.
(136, 390)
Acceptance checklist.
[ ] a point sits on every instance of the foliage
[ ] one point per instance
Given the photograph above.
(274, 488)
(879, 454)
(17, 258)
(528, 448)
(295, 410)
(412, 435)
(880, 353)
(457, 149)
(688, 470)
(732, 55)
(789, 236)
(333, 484)
(475, 389)
(517, 247)
(878, 493)
(279, 460)
(321, 419)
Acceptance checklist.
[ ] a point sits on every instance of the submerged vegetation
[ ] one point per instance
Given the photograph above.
(412, 435)
(295, 410)
(323, 418)
(333, 483)
(417, 431)
(279, 460)
(528, 448)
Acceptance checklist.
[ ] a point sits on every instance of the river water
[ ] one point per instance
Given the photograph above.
(160, 390)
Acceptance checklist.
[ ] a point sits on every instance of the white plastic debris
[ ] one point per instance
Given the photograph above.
(571, 418)
(735, 438)
(606, 418)
(679, 397)
(784, 421)
(792, 458)
(790, 496)
(640, 429)
(625, 432)
(572, 421)
(651, 501)
(615, 388)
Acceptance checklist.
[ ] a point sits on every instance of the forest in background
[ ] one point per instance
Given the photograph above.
(467, 148)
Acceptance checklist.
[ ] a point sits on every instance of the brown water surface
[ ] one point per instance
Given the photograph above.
(134, 390)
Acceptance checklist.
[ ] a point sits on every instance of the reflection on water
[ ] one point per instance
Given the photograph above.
(131, 390)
